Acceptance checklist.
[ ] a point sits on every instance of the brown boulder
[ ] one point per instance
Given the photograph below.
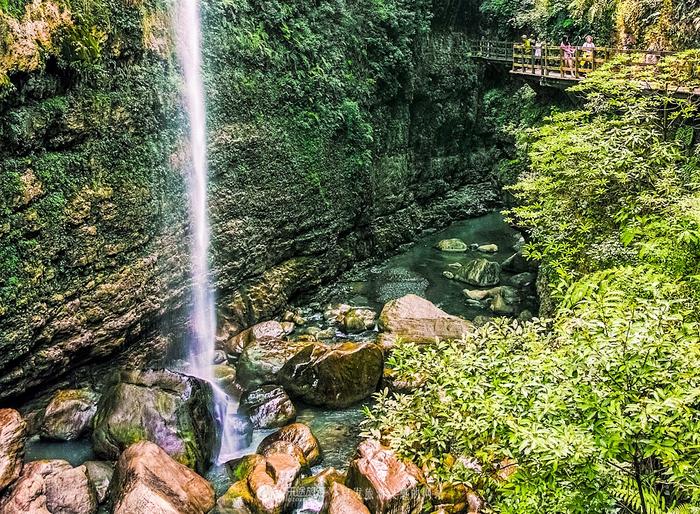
(344, 500)
(262, 485)
(390, 485)
(298, 434)
(333, 376)
(148, 480)
(69, 414)
(13, 433)
(51, 487)
(417, 320)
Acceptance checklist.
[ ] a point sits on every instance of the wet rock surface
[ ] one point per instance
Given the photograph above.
(161, 406)
(13, 435)
(452, 245)
(259, 332)
(311, 495)
(480, 273)
(333, 376)
(261, 361)
(358, 320)
(69, 414)
(148, 480)
(268, 407)
(388, 484)
(298, 434)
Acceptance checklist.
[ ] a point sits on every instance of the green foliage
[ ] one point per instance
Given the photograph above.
(604, 396)
(613, 183)
(669, 24)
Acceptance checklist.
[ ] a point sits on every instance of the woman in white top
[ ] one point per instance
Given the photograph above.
(538, 52)
(588, 49)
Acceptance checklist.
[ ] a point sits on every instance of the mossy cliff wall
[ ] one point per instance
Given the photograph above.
(336, 133)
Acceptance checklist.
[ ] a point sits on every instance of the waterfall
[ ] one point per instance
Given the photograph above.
(203, 316)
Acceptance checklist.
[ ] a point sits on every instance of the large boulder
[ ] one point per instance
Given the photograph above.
(417, 320)
(51, 487)
(299, 435)
(262, 483)
(271, 482)
(268, 407)
(68, 416)
(262, 360)
(480, 273)
(167, 408)
(333, 376)
(148, 480)
(13, 434)
(260, 332)
(389, 485)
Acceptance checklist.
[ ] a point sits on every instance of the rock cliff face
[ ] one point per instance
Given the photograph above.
(337, 132)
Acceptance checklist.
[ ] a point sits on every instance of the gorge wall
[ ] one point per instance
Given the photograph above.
(337, 132)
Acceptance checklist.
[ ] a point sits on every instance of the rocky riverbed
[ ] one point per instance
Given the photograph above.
(144, 440)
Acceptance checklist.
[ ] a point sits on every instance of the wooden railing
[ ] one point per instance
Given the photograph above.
(575, 63)
(549, 61)
(491, 50)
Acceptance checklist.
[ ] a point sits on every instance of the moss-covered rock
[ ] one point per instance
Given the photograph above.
(68, 416)
(172, 410)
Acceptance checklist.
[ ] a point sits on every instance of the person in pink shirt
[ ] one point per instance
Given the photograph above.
(568, 52)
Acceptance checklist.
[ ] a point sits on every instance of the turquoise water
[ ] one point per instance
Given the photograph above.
(419, 269)
(75, 452)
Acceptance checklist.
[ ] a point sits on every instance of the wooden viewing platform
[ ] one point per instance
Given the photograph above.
(552, 67)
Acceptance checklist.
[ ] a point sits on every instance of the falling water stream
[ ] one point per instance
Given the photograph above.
(203, 317)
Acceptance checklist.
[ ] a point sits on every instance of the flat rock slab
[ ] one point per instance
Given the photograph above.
(418, 320)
